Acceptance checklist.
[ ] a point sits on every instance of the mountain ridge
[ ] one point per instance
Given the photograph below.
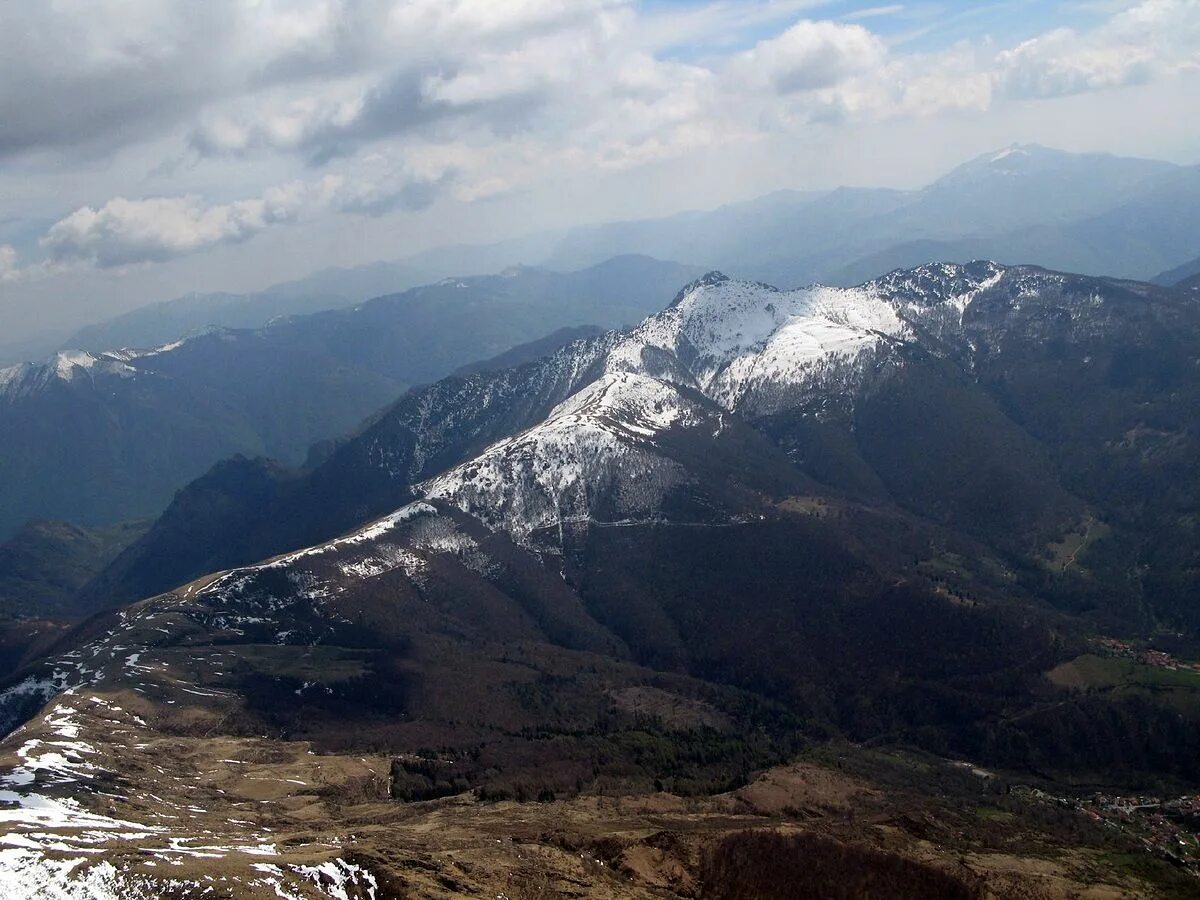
(918, 513)
(143, 423)
(430, 431)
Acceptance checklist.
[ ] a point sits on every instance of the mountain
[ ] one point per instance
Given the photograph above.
(1178, 275)
(168, 320)
(1081, 212)
(1007, 404)
(104, 437)
(1023, 182)
(329, 721)
(45, 563)
(1085, 212)
(770, 579)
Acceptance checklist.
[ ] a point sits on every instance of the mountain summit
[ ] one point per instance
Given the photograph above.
(653, 561)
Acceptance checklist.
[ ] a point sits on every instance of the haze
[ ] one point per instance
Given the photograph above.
(179, 147)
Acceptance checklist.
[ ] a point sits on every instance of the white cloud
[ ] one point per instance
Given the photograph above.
(124, 232)
(1152, 39)
(588, 79)
(812, 55)
(8, 262)
(403, 101)
(874, 12)
(78, 73)
(324, 78)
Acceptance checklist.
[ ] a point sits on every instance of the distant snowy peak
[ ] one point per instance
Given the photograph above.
(1015, 150)
(1012, 162)
(66, 366)
(69, 366)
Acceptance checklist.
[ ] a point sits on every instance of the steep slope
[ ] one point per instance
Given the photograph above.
(45, 563)
(897, 514)
(917, 390)
(219, 729)
(593, 455)
(1179, 275)
(99, 438)
(627, 450)
(301, 644)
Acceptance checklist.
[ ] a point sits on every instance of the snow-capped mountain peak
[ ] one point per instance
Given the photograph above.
(747, 347)
(723, 336)
(65, 366)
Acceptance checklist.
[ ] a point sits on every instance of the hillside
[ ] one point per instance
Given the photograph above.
(1180, 275)
(1002, 402)
(768, 560)
(97, 438)
(45, 563)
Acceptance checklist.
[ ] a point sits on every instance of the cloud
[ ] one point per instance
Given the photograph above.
(1152, 39)
(325, 78)
(328, 79)
(812, 55)
(399, 103)
(386, 187)
(480, 65)
(874, 12)
(101, 73)
(124, 232)
(1059, 63)
(323, 129)
(8, 262)
(106, 71)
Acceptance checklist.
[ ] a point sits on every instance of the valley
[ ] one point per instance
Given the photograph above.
(748, 581)
(599, 450)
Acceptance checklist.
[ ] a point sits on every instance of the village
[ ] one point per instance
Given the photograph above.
(1159, 659)
(1169, 828)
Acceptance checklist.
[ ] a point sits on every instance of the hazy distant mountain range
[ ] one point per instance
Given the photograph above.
(1087, 213)
(1179, 274)
(98, 437)
(102, 435)
(1008, 404)
(160, 323)
(1090, 213)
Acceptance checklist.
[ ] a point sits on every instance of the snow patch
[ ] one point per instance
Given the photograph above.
(595, 446)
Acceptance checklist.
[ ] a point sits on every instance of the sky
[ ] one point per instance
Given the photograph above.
(150, 148)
